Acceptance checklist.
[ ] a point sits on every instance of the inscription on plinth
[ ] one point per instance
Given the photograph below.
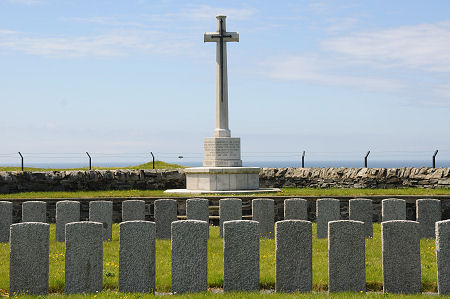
(222, 152)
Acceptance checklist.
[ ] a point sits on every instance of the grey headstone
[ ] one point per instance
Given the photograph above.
(295, 209)
(101, 211)
(5, 220)
(327, 209)
(240, 256)
(34, 211)
(66, 211)
(84, 257)
(29, 262)
(229, 209)
(133, 210)
(393, 209)
(165, 214)
(137, 247)
(198, 209)
(293, 256)
(263, 212)
(346, 256)
(189, 256)
(360, 209)
(428, 212)
(400, 241)
(443, 256)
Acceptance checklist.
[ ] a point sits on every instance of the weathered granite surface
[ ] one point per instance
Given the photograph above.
(425, 177)
(245, 207)
(13, 181)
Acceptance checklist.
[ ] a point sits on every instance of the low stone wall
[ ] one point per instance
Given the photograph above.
(13, 182)
(425, 177)
(158, 179)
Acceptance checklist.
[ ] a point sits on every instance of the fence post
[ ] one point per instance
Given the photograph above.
(365, 159)
(21, 157)
(303, 159)
(153, 159)
(434, 158)
(90, 161)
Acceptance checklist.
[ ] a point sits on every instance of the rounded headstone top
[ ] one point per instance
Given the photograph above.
(197, 199)
(328, 199)
(84, 224)
(393, 199)
(394, 222)
(29, 224)
(262, 199)
(345, 222)
(428, 200)
(293, 221)
(181, 222)
(100, 202)
(136, 221)
(230, 199)
(360, 199)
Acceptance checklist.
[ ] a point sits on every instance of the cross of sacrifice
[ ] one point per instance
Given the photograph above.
(221, 37)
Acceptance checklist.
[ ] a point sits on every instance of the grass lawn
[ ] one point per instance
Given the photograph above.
(149, 165)
(329, 192)
(215, 268)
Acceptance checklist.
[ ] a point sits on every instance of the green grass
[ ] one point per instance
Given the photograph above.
(330, 192)
(149, 165)
(215, 267)
(353, 192)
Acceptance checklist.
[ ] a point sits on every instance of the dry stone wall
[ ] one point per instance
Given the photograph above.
(13, 182)
(425, 177)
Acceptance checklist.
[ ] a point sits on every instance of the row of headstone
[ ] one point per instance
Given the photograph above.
(29, 256)
(428, 212)
(327, 209)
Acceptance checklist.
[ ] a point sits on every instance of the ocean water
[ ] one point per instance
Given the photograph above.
(350, 163)
(372, 164)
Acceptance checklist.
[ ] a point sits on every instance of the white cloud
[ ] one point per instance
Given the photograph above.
(439, 97)
(423, 47)
(317, 69)
(106, 45)
(206, 12)
(114, 21)
(341, 24)
(319, 7)
(26, 2)
(5, 32)
(443, 91)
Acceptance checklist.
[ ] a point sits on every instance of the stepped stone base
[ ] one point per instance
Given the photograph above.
(222, 178)
(186, 191)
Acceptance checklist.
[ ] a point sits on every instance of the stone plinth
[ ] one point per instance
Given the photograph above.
(222, 152)
(222, 178)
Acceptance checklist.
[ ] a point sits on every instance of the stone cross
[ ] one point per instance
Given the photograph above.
(221, 37)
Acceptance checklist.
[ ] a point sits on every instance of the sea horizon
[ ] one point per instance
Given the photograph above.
(262, 164)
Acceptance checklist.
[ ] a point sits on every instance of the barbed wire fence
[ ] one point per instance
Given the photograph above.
(295, 157)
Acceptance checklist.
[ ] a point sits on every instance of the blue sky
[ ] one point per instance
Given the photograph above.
(334, 78)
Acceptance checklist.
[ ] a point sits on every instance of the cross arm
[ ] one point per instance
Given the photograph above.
(227, 36)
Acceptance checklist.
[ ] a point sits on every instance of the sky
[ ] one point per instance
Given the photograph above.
(121, 79)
